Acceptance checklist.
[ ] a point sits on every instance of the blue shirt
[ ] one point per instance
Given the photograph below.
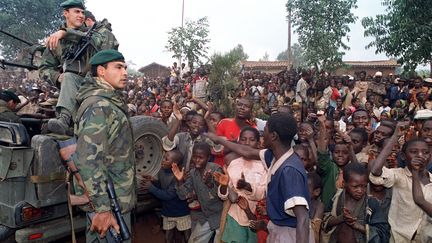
(288, 188)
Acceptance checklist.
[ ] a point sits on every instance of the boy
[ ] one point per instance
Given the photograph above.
(405, 216)
(184, 141)
(359, 138)
(317, 207)
(175, 212)
(346, 222)
(288, 196)
(331, 169)
(200, 180)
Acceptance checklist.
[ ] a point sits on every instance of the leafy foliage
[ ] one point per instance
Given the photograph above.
(297, 56)
(321, 26)
(266, 57)
(190, 41)
(225, 69)
(239, 53)
(28, 19)
(404, 31)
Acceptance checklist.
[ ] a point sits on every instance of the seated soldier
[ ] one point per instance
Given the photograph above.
(8, 102)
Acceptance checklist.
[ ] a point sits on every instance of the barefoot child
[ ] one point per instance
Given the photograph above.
(175, 212)
(405, 216)
(200, 180)
(346, 222)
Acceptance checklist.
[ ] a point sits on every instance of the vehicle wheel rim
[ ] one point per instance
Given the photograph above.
(148, 156)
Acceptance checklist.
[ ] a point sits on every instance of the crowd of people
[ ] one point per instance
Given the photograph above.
(363, 144)
(305, 157)
(347, 156)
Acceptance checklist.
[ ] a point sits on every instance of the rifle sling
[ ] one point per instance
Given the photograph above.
(56, 176)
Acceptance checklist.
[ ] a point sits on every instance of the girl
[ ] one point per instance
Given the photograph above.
(247, 179)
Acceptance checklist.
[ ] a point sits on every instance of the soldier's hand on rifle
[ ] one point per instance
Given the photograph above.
(102, 222)
(53, 40)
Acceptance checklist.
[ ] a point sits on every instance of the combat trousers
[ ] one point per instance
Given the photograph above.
(68, 92)
(92, 237)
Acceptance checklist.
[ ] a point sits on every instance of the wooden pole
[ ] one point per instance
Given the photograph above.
(289, 39)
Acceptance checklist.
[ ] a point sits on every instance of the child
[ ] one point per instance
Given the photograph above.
(359, 138)
(200, 180)
(419, 199)
(184, 141)
(247, 179)
(331, 169)
(303, 152)
(405, 216)
(346, 222)
(317, 207)
(166, 111)
(175, 212)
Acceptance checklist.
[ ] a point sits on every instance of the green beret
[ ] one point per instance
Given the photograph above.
(106, 56)
(9, 95)
(88, 14)
(72, 4)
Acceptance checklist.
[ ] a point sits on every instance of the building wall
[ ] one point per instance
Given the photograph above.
(156, 71)
(369, 70)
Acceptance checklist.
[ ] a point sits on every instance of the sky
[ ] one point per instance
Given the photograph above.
(141, 27)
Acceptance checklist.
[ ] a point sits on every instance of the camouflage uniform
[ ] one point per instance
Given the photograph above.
(7, 115)
(53, 63)
(104, 146)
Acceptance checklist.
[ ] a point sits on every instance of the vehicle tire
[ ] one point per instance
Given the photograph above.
(148, 133)
(5, 232)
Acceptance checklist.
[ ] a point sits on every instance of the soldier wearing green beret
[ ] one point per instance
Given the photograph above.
(69, 73)
(104, 140)
(8, 102)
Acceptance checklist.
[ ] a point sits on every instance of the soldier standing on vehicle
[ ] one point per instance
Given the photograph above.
(59, 64)
(8, 102)
(104, 141)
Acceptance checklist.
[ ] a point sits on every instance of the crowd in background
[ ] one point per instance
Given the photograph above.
(364, 141)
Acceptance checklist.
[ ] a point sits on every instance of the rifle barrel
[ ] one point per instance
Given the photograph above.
(16, 37)
(29, 67)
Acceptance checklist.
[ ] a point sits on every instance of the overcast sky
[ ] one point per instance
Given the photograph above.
(260, 26)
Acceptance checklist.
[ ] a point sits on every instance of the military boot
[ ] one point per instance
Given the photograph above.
(62, 124)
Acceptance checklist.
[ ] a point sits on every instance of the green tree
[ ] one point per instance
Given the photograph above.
(297, 55)
(28, 19)
(404, 31)
(266, 57)
(223, 82)
(239, 53)
(322, 26)
(191, 41)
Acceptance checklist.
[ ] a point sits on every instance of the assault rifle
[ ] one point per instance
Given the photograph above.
(112, 236)
(4, 63)
(76, 51)
(31, 50)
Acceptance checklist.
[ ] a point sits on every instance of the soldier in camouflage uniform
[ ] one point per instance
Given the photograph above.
(104, 140)
(8, 102)
(70, 73)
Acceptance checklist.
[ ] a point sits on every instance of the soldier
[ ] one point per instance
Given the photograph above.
(60, 65)
(8, 102)
(104, 141)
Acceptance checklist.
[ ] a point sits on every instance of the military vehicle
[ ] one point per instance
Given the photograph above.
(33, 195)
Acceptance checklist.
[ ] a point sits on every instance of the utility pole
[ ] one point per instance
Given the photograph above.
(182, 21)
(289, 39)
